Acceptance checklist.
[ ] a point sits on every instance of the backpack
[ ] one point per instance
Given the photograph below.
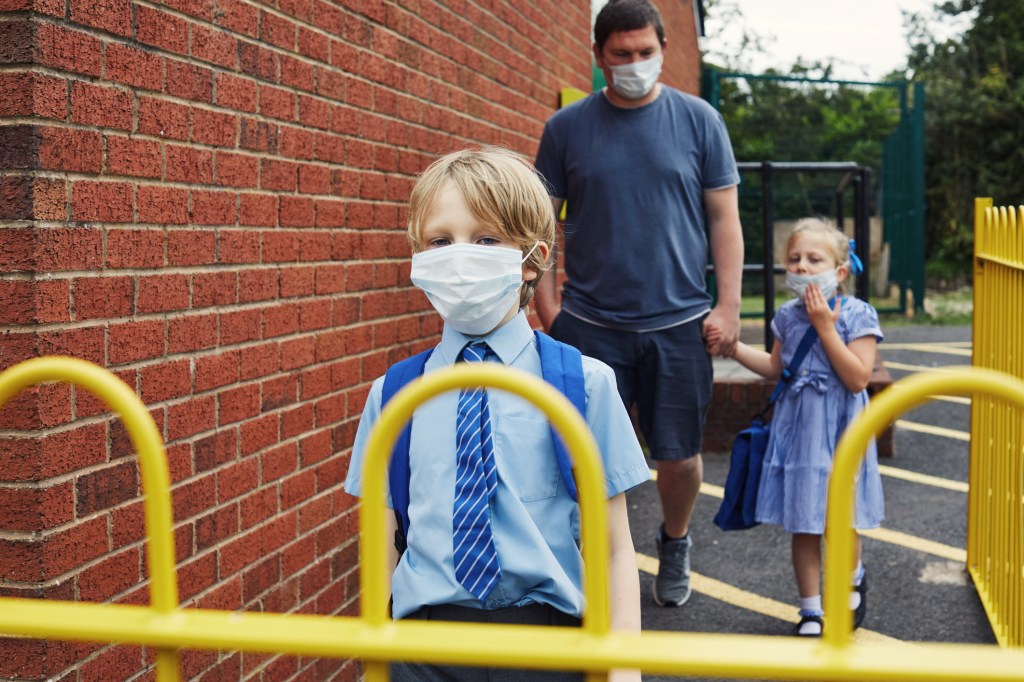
(561, 366)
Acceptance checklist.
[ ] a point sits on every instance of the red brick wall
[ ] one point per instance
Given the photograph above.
(207, 198)
(682, 52)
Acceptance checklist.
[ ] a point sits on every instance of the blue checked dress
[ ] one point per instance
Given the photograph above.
(806, 426)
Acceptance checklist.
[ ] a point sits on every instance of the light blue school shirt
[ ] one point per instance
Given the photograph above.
(534, 521)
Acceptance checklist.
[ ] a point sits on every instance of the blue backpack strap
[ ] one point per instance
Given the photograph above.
(809, 337)
(562, 367)
(397, 376)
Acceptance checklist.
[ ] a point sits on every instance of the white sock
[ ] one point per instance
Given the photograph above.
(811, 605)
(858, 576)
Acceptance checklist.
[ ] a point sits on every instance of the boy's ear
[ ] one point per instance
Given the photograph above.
(530, 273)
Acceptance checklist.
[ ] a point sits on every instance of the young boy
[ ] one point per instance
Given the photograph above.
(481, 227)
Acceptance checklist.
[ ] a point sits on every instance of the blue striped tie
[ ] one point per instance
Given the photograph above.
(476, 478)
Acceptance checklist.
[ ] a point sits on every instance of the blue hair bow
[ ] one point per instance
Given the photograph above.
(855, 263)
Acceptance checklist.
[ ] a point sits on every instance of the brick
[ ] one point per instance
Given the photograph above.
(214, 45)
(195, 576)
(161, 205)
(59, 249)
(239, 16)
(236, 170)
(67, 50)
(19, 146)
(277, 103)
(296, 281)
(240, 326)
(31, 94)
(134, 67)
(297, 421)
(258, 361)
(189, 81)
(214, 371)
(236, 93)
(261, 136)
(278, 175)
(191, 246)
(107, 107)
(277, 30)
(242, 553)
(215, 128)
(132, 156)
(215, 450)
(85, 343)
(329, 213)
(257, 210)
(238, 403)
(191, 333)
(191, 417)
(214, 288)
(256, 60)
(108, 202)
(162, 293)
(185, 164)
(114, 16)
(161, 29)
(280, 320)
(135, 248)
(237, 478)
(69, 149)
(106, 488)
(213, 208)
(280, 247)
(135, 341)
(113, 575)
(297, 353)
(296, 73)
(200, 9)
(296, 212)
(258, 285)
(315, 314)
(163, 118)
(79, 544)
(103, 297)
(35, 509)
(258, 434)
(314, 246)
(165, 381)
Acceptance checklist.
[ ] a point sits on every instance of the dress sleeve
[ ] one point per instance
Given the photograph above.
(862, 320)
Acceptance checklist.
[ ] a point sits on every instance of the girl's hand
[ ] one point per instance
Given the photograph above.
(822, 317)
(712, 337)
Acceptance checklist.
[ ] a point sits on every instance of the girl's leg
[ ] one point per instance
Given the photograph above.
(807, 563)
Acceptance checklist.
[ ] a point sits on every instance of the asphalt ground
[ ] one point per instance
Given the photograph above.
(918, 586)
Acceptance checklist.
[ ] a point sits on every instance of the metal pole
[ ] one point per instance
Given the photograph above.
(862, 230)
(768, 257)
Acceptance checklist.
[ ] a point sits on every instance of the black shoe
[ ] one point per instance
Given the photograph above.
(862, 608)
(808, 619)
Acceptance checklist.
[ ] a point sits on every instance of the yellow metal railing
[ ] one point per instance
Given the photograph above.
(995, 526)
(594, 648)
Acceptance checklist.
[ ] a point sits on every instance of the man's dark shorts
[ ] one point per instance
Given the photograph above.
(666, 373)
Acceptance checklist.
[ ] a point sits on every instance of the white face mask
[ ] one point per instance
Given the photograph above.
(636, 79)
(825, 281)
(472, 287)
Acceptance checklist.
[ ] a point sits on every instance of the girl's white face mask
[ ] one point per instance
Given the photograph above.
(472, 287)
(826, 282)
(636, 79)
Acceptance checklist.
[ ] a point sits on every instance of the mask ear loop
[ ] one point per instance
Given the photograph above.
(530, 252)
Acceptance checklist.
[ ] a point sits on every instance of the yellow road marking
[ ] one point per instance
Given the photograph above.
(933, 430)
(895, 537)
(924, 479)
(734, 596)
(929, 348)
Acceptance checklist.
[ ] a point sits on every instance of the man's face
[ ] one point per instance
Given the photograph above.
(624, 47)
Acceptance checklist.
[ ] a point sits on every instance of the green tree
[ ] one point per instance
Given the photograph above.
(974, 137)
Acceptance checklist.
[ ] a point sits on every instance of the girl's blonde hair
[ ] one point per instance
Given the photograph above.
(503, 192)
(837, 242)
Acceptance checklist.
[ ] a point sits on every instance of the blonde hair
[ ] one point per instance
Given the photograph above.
(502, 190)
(838, 243)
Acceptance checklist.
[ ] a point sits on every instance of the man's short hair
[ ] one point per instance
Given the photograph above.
(627, 15)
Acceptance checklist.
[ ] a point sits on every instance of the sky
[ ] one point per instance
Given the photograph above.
(866, 38)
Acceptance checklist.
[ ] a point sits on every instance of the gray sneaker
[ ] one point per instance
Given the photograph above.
(672, 586)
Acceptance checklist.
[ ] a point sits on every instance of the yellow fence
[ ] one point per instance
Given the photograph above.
(376, 639)
(995, 526)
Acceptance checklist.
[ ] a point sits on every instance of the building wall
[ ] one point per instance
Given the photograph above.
(207, 198)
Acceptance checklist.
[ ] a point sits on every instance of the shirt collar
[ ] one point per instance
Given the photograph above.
(507, 341)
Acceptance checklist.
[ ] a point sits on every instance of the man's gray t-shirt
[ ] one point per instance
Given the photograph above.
(633, 180)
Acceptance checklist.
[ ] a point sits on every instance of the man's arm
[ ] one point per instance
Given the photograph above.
(726, 236)
(546, 295)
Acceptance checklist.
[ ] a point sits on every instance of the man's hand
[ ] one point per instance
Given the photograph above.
(722, 331)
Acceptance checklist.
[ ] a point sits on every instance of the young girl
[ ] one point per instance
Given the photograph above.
(825, 395)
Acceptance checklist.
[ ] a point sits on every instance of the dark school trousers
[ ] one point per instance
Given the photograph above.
(532, 614)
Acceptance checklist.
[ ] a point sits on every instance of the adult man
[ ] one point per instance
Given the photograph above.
(638, 165)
